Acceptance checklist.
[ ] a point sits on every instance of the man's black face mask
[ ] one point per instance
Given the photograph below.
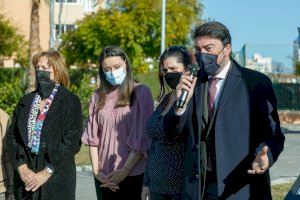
(209, 62)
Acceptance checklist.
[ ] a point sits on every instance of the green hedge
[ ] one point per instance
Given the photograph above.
(12, 86)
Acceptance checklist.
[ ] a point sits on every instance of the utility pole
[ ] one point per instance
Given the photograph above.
(57, 38)
(55, 35)
(299, 37)
(163, 26)
(52, 25)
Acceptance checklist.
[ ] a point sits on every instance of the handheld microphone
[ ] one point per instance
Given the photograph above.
(193, 68)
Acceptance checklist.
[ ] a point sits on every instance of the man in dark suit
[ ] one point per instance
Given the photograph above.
(230, 122)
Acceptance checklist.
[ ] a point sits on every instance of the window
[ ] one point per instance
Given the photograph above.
(67, 1)
(64, 28)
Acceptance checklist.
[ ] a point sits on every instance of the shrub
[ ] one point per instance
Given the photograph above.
(12, 87)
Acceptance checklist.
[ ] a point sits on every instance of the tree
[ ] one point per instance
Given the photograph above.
(277, 71)
(133, 25)
(297, 68)
(34, 42)
(12, 43)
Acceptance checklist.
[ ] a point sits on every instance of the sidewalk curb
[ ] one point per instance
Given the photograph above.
(283, 181)
(88, 169)
(290, 127)
(85, 168)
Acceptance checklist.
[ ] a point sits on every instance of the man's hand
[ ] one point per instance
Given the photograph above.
(38, 180)
(145, 193)
(188, 84)
(261, 162)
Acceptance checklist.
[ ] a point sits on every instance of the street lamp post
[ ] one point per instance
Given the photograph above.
(163, 26)
(299, 37)
(52, 26)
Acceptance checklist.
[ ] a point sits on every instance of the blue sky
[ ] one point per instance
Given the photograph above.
(268, 26)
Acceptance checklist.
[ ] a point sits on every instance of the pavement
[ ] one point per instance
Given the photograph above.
(287, 167)
(285, 170)
(85, 189)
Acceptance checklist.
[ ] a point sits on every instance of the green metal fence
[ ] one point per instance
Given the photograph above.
(288, 96)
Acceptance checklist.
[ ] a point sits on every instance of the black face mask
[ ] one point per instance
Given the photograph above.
(172, 79)
(209, 62)
(45, 85)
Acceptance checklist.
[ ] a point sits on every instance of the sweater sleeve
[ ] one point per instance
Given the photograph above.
(138, 140)
(92, 130)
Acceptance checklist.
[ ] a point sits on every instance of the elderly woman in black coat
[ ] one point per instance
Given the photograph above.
(45, 134)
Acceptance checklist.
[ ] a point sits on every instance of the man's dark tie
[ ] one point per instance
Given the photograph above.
(211, 97)
(212, 92)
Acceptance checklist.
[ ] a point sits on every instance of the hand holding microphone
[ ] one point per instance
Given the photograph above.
(185, 88)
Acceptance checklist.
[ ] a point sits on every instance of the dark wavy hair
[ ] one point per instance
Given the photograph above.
(125, 96)
(214, 30)
(183, 56)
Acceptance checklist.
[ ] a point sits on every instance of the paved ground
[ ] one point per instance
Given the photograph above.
(288, 164)
(286, 169)
(85, 189)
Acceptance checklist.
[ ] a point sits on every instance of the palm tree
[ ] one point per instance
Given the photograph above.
(34, 42)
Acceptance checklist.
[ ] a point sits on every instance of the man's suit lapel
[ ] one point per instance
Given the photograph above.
(231, 82)
(201, 104)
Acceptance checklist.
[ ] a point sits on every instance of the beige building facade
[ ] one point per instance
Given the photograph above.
(18, 13)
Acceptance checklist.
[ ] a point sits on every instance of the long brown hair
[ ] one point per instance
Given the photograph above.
(57, 61)
(183, 56)
(125, 96)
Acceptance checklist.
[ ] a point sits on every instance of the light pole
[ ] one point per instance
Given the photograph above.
(299, 37)
(55, 35)
(163, 26)
(52, 26)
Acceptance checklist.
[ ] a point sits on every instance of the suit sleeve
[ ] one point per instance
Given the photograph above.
(63, 153)
(273, 136)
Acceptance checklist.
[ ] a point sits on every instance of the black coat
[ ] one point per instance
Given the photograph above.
(60, 141)
(246, 116)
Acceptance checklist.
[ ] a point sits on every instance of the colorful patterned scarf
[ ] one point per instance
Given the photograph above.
(36, 120)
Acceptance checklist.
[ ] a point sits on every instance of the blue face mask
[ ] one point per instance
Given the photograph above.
(116, 77)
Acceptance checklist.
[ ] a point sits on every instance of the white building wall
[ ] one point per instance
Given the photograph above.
(260, 63)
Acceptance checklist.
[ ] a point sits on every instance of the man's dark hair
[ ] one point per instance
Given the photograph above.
(214, 30)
